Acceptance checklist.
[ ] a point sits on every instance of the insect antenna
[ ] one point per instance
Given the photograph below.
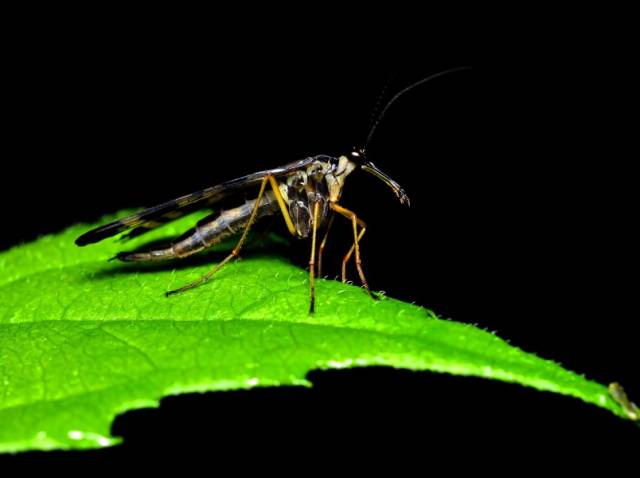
(402, 92)
(375, 112)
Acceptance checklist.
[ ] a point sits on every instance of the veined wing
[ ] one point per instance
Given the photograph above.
(155, 216)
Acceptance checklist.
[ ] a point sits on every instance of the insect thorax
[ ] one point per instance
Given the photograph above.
(320, 182)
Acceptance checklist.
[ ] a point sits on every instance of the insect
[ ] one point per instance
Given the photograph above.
(306, 193)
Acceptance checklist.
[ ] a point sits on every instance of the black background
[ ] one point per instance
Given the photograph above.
(521, 217)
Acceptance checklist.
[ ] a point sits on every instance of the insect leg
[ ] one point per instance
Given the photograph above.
(347, 257)
(355, 221)
(236, 250)
(323, 244)
(312, 260)
(283, 206)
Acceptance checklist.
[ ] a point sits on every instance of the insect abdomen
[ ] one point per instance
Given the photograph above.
(208, 232)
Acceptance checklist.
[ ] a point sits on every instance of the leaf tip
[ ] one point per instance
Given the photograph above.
(620, 397)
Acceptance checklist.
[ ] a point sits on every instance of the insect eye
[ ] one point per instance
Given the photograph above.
(334, 163)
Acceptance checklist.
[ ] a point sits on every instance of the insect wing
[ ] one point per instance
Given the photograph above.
(155, 216)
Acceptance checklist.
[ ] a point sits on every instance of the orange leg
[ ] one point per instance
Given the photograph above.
(355, 221)
(349, 254)
(323, 244)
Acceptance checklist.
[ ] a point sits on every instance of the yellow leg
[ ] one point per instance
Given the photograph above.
(236, 250)
(323, 244)
(283, 206)
(355, 221)
(312, 260)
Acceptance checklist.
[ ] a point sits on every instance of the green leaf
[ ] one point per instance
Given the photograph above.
(83, 339)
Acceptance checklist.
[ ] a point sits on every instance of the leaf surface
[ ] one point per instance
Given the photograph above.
(83, 340)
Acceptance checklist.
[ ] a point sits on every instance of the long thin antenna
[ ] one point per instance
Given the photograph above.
(402, 92)
(375, 112)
